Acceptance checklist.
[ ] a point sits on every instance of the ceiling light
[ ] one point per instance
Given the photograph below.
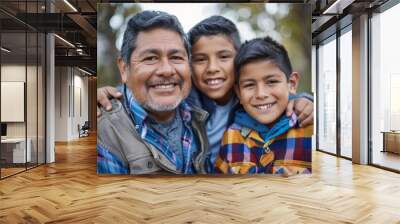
(338, 6)
(65, 41)
(84, 71)
(5, 50)
(70, 5)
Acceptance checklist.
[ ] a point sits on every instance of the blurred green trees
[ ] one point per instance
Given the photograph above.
(289, 24)
(111, 20)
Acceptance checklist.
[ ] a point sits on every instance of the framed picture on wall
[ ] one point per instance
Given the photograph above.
(12, 101)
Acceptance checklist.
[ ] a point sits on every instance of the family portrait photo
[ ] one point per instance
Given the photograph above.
(204, 88)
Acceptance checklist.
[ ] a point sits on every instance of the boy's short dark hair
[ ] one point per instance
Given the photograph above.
(262, 49)
(215, 25)
(145, 21)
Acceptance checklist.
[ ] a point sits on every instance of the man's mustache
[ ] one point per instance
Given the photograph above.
(176, 80)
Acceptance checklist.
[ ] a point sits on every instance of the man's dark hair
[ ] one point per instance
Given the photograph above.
(145, 21)
(262, 49)
(215, 25)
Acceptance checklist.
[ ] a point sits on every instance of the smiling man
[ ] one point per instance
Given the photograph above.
(152, 129)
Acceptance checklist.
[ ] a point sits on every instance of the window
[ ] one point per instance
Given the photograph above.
(346, 94)
(327, 97)
(385, 85)
(22, 67)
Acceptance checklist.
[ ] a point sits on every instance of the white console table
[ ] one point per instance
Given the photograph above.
(18, 149)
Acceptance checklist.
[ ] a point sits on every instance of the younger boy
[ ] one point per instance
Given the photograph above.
(262, 139)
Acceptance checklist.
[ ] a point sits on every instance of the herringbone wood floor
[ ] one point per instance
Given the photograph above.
(70, 191)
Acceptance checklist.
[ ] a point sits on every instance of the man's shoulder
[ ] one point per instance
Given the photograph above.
(117, 107)
(115, 119)
(116, 114)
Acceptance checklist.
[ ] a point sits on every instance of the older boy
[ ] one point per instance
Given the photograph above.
(262, 138)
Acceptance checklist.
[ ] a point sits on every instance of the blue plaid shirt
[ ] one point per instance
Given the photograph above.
(108, 163)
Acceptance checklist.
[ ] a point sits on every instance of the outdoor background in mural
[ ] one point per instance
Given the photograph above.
(287, 23)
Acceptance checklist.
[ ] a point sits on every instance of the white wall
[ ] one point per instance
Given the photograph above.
(16, 73)
(33, 126)
(12, 101)
(61, 103)
(71, 94)
(79, 110)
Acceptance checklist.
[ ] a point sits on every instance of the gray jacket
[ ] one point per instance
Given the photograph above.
(116, 132)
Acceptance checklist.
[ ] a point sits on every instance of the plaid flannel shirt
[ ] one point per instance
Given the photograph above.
(108, 163)
(245, 152)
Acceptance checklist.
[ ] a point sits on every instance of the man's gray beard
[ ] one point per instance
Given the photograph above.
(150, 105)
